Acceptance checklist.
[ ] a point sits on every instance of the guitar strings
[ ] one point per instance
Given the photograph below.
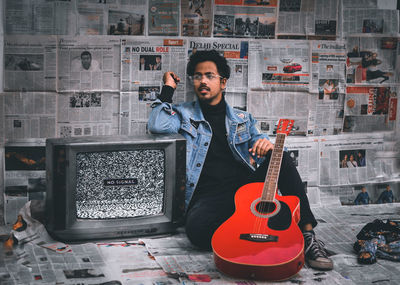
(266, 207)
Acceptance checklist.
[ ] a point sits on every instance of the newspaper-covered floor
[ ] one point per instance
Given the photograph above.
(172, 259)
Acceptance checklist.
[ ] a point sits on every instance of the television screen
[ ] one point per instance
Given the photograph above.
(107, 187)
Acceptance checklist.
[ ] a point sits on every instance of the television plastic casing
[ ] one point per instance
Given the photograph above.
(62, 170)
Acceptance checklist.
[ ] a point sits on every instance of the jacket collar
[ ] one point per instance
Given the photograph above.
(233, 115)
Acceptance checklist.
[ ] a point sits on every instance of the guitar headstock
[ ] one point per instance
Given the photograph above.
(284, 126)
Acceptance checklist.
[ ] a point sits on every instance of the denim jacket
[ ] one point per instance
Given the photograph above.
(188, 120)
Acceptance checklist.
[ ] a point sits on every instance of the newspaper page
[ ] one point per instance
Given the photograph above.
(268, 107)
(370, 17)
(29, 114)
(88, 114)
(352, 159)
(163, 17)
(30, 63)
(116, 17)
(144, 61)
(371, 60)
(40, 17)
(135, 109)
(308, 18)
(236, 53)
(245, 18)
(304, 153)
(24, 176)
(127, 261)
(2, 186)
(2, 120)
(325, 117)
(279, 64)
(328, 62)
(88, 63)
(196, 18)
(370, 109)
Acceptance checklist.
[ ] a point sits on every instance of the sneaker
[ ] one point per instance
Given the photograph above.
(315, 253)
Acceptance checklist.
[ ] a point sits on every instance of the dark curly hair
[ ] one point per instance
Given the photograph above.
(209, 55)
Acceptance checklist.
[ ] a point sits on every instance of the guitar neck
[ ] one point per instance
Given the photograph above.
(271, 180)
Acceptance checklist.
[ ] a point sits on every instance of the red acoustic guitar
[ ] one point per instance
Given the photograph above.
(262, 240)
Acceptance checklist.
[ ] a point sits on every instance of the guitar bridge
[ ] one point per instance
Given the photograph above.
(258, 237)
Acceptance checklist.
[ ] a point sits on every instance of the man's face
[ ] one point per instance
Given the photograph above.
(86, 61)
(209, 91)
(142, 60)
(158, 59)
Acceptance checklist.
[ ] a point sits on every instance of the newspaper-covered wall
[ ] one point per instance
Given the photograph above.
(196, 18)
(325, 116)
(163, 17)
(328, 61)
(370, 109)
(88, 63)
(371, 60)
(135, 109)
(309, 17)
(88, 114)
(370, 17)
(279, 64)
(29, 115)
(2, 121)
(245, 18)
(118, 17)
(350, 159)
(24, 176)
(143, 63)
(269, 106)
(304, 153)
(30, 63)
(40, 17)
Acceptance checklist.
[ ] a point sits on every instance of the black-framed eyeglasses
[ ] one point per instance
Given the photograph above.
(208, 76)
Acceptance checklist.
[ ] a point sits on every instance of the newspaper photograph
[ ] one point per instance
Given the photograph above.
(143, 63)
(111, 17)
(30, 63)
(135, 109)
(245, 18)
(268, 107)
(29, 114)
(24, 176)
(87, 114)
(371, 60)
(304, 153)
(40, 17)
(328, 62)
(163, 18)
(196, 18)
(279, 65)
(370, 17)
(352, 159)
(370, 109)
(325, 117)
(88, 63)
(236, 53)
(308, 18)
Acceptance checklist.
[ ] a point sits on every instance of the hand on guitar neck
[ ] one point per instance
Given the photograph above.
(261, 147)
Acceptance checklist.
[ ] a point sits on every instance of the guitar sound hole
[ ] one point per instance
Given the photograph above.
(265, 207)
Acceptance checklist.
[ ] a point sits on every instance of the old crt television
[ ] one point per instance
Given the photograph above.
(114, 187)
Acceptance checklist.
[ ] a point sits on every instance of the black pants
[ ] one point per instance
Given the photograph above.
(207, 213)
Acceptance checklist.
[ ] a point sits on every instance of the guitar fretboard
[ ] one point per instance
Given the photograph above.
(271, 180)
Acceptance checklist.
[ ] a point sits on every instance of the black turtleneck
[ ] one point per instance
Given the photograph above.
(221, 171)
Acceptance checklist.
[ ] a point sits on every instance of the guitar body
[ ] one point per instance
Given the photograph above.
(261, 240)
